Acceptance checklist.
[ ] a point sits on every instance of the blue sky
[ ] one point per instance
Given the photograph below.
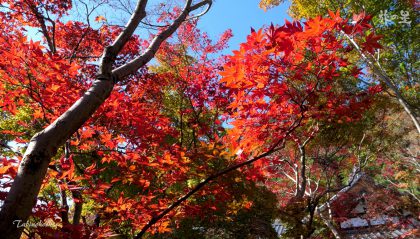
(240, 16)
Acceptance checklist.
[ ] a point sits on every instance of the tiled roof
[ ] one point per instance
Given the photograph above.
(358, 176)
(377, 234)
(278, 227)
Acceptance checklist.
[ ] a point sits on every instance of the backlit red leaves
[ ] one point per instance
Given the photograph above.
(27, 71)
(129, 158)
(371, 43)
(287, 74)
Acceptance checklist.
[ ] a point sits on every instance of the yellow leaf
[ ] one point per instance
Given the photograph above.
(100, 19)
(55, 87)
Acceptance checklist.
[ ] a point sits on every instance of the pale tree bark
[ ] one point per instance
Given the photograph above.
(330, 226)
(301, 189)
(22, 196)
(381, 74)
(328, 220)
(324, 211)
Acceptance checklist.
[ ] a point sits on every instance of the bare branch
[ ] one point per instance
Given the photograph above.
(131, 26)
(132, 66)
(209, 3)
(87, 30)
(110, 53)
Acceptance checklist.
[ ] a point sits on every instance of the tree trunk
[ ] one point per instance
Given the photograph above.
(43, 146)
(78, 206)
(27, 183)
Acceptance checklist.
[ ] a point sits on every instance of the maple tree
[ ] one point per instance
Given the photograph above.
(191, 129)
(45, 71)
(392, 140)
(119, 154)
(396, 140)
(394, 65)
(271, 93)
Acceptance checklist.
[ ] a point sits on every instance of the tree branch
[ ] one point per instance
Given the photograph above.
(131, 26)
(43, 146)
(132, 66)
(377, 69)
(278, 145)
(111, 52)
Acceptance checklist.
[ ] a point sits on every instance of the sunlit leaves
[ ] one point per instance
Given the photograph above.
(267, 4)
(283, 73)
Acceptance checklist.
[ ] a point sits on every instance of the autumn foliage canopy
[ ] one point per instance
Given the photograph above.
(173, 124)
